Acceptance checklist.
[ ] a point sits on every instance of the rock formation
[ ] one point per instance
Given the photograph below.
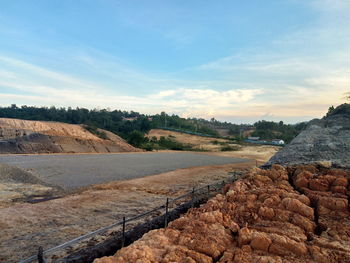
(294, 214)
(327, 139)
(22, 136)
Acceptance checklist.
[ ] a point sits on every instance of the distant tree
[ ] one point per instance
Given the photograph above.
(330, 110)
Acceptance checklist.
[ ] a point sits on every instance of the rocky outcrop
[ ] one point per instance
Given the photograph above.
(262, 217)
(325, 140)
(22, 136)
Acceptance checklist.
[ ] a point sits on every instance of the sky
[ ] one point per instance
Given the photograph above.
(233, 60)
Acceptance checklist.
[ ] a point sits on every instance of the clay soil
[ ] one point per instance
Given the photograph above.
(285, 214)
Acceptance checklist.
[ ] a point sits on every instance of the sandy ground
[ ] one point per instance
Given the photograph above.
(260, 153)
(24, 226)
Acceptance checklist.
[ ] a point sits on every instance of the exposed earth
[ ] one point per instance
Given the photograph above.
(23, 136)
(294, 214)
(324, 140)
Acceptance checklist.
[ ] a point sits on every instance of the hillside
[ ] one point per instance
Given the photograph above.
(192, 141)
(23, 136)
(327, 139)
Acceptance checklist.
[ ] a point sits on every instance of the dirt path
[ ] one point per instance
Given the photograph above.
(73, 171)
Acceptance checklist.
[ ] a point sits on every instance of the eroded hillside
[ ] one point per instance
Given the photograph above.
(23, 136)
(297, 214)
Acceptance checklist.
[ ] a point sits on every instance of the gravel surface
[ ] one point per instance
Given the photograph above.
(73, 171)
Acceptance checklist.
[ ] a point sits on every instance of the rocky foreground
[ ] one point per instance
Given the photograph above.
(293, 214)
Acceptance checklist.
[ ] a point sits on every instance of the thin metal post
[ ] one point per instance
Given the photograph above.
(208, 190)
(41, 255)
(166, 213)
(192, 203)
(123, 234)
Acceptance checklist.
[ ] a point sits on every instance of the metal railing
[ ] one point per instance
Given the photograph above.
(193, 194)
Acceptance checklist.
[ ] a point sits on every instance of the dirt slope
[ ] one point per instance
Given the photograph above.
(259, 218)
(23, 136)
(327, 140)
(197, 142)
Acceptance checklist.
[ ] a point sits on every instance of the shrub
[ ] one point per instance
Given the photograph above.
(229, 148)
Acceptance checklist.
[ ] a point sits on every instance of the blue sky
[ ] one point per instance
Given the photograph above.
(238, 61)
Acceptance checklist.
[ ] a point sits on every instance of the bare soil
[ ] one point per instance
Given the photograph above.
(25, 226)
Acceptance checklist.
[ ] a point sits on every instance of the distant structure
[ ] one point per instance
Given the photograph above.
(130, 119)
(278, 141)
(257, 140)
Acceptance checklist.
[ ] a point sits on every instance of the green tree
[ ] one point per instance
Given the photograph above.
(136, 138)
(330, 110)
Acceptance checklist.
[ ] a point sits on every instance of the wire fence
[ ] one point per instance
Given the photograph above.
(191, 196)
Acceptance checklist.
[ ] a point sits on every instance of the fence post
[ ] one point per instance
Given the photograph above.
(208, 190)
(192, 203)
(166, 212)
(123, 234)
(41, 255)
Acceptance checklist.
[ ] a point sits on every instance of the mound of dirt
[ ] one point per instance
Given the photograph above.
(325, 140)
(16, 175)
(17, 185)
(22, 136)
(259, 218)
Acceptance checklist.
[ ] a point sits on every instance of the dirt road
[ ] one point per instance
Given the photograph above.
(73, 171)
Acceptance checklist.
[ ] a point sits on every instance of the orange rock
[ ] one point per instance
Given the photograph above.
(296, 206)
(319, 185)
(261, 218)
(341, 181)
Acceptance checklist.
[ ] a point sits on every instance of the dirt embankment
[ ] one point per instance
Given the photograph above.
(324, 140)
(194, 141)
(22, 136)
(298, 214)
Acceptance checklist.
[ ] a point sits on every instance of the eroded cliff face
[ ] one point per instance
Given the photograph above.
(297, 214)
(327, 139)
(22, 136)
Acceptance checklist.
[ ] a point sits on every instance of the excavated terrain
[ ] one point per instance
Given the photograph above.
(293, 214)
(22, 136)
(324, 140)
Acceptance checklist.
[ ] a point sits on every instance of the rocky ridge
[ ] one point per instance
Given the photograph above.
(293, 214)
(23, 136)
(327, 139)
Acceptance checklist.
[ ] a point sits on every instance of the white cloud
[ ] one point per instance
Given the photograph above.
(297, 76)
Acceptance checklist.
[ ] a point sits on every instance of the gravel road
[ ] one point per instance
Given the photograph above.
(73, 171)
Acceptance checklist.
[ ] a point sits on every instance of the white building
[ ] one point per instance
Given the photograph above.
(278, 141)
